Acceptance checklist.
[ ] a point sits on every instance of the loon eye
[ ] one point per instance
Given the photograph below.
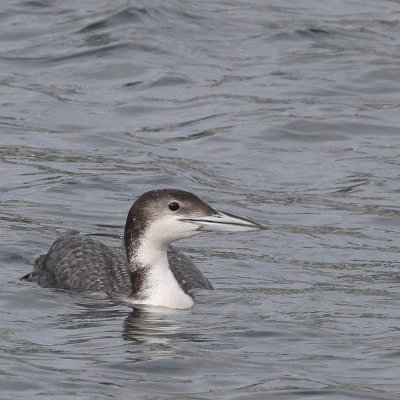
(174, 206)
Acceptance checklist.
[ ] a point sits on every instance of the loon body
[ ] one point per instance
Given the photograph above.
(146, 269)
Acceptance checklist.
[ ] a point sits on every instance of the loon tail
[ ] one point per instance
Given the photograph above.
(39, 263)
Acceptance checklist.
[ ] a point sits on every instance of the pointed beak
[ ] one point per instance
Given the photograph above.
(224, 222)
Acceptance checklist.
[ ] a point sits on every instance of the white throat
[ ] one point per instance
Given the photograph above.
(160, 286)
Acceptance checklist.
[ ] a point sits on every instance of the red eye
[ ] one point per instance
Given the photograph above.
(174, 206)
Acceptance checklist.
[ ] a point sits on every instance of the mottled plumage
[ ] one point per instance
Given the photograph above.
(84, 264)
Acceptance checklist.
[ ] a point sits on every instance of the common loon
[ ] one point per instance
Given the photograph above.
(146, 269)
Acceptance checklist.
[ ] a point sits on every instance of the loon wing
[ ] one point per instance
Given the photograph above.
(84, 264)
(185, 272)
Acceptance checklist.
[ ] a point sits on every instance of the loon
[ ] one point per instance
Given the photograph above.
(145, 269)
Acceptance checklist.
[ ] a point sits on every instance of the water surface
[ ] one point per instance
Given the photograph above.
(287, 113)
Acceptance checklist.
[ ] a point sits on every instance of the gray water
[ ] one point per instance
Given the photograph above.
(284, 112)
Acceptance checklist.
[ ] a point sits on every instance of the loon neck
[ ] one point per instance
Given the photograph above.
(158, 284)
(152, 280)
(134, 228)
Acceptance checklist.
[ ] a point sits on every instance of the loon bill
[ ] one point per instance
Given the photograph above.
(146, 269)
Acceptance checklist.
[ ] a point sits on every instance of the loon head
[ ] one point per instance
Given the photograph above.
(156, 219)
(166, 215)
